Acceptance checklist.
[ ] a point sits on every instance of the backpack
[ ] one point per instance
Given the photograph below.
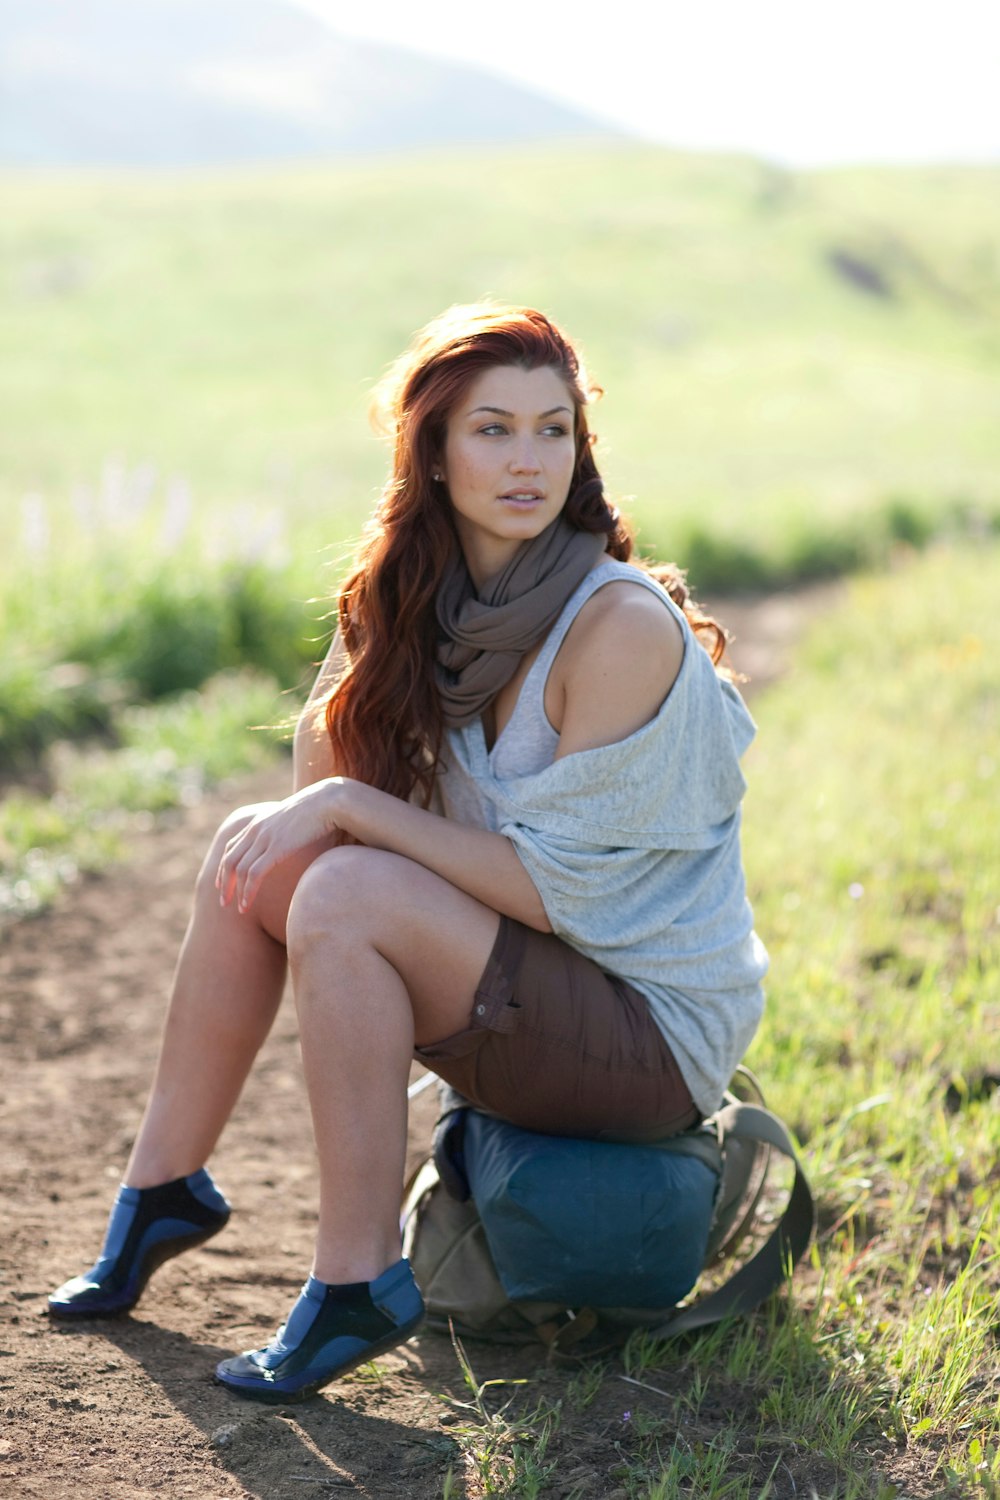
(515, 1236)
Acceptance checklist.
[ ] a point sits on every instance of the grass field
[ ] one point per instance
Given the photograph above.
(876, 877)
(781, 351)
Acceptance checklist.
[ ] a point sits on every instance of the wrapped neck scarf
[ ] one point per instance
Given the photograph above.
(486, 633)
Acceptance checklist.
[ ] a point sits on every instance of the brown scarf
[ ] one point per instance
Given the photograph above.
(485, 634)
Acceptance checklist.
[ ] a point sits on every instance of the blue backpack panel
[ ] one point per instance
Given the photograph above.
(642, 1213)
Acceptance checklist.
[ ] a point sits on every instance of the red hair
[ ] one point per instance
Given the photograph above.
(383, 717)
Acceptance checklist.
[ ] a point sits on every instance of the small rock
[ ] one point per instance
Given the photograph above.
(222, 1437)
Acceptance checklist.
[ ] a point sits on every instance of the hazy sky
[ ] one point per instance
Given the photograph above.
(799, 80)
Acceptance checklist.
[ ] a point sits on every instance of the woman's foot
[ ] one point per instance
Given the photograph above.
(147, 1227)
(330, 1330)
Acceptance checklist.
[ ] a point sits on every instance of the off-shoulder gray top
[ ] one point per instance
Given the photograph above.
(634, 847)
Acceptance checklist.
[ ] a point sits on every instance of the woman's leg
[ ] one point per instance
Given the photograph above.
(383, 954)
(226, 991)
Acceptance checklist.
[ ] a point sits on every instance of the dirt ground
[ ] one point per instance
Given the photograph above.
(126, 1408)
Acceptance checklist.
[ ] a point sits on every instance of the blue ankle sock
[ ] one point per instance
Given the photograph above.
(147, 1226)
(361, 1307)
(186, 1205)
(331, 1329)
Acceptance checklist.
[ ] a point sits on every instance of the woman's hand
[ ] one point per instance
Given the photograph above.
(307, 817)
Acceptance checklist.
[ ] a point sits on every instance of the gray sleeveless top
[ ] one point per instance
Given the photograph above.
(634, 847)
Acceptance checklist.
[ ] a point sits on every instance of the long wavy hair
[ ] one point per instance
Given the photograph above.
(383, 715)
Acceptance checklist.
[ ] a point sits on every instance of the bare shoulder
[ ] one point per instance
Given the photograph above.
(619, 661)
(628, 626)
(330, 670)
(622, 607)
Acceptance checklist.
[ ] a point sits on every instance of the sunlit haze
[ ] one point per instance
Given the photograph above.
(804, 84)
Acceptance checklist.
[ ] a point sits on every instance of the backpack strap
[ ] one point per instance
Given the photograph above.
(766, 1270)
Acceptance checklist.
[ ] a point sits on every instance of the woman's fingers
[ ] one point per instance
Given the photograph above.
(228, 878)
(249, 870)
(246, 861)
(267, 840)
(252, 878)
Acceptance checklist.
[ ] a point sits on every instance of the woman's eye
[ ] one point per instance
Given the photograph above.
(498, 429)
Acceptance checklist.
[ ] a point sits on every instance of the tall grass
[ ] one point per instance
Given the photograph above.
(136, 656)
(131, 606)
(876, 874)
(79, 812)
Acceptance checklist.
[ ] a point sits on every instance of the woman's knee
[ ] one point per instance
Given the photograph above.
(342, 895)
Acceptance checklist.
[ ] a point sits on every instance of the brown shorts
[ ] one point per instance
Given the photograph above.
(557, 1045)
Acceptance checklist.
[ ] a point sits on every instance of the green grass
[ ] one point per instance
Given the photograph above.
(223, 331)
(874, 869)
(128, 683)
(95, 796)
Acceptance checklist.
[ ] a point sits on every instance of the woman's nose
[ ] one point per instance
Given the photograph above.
(525, 457)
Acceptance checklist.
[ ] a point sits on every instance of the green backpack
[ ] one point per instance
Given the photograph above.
(503, 1237)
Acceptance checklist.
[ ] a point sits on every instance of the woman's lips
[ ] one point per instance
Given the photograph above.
(522, 499)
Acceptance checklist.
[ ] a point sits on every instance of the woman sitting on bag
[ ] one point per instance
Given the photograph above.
(512, 852)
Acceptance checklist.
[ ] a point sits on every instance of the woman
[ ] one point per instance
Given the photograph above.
(512, 851)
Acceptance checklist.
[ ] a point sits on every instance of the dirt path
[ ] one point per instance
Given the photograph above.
(127, 1408)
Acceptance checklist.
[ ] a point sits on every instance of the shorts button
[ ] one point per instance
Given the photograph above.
(480, 1010)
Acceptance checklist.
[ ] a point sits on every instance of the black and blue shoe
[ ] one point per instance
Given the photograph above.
(147, 1227)
(330, 1330)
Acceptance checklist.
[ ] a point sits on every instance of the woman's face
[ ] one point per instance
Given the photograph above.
(509, 456)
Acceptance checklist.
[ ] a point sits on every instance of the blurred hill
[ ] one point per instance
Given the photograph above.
(199, 82)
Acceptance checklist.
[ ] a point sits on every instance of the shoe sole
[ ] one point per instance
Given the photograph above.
(272, 1394)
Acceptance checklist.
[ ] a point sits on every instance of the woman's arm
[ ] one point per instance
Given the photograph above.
(312, 753)
(481, 863)
(615, 669)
